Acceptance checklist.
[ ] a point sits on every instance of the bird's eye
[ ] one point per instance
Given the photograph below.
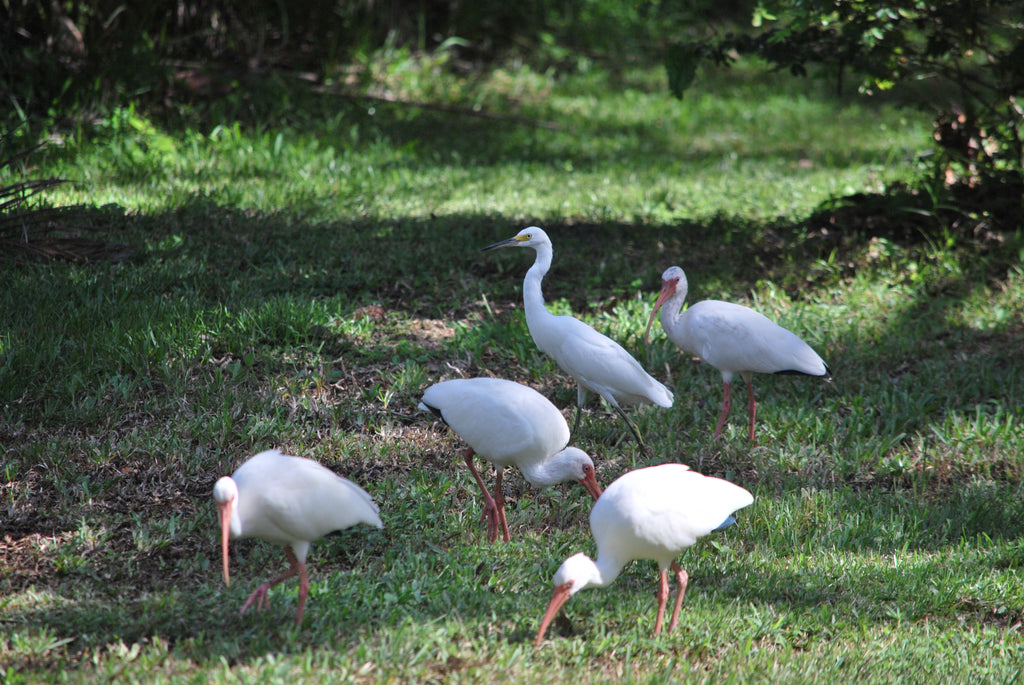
(586, 468)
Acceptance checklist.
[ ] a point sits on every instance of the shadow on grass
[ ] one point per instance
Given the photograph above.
(210, 281)
(104, 349)
(393, 579)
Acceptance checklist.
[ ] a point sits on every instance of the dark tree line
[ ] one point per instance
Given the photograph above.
(62, 53)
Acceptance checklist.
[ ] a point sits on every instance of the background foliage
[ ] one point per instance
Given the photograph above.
(969, 55)
(62, 53)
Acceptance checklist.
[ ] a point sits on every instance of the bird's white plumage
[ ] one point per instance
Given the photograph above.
(507, 423)
(294, 501)
(732, 338)
(510, 424)
(595, 361)
(656, 512)
(650, 513)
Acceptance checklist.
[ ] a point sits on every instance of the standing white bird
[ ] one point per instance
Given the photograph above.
(292, 501)
(598, 363)
(732, 338)
(509, 424)
(651, 513)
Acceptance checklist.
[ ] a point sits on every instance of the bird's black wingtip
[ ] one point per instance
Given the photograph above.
(729, 520)
(434, 410)
(797, 372)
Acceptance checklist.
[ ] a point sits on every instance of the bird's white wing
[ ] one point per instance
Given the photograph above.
(670, 507)
(604, 366)
(502, 421)
(310, 508)
(290, 499)
(736, 338)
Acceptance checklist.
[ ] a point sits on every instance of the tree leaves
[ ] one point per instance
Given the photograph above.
(681, 61)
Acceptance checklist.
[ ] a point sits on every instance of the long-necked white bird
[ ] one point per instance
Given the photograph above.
(292, 501)
(595, 361)
(509, 424)
(651, 513)
(732, 338)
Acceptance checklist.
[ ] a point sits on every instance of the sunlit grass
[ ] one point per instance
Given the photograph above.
(623, 152)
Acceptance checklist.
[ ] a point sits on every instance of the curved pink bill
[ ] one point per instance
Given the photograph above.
(558, 598)
(668, 289)
(589, 481)
(225, 533)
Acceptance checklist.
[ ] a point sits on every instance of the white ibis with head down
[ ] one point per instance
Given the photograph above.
(651, 513)
(509, 424)
(595, 361)
(732, 338)
(292, 501)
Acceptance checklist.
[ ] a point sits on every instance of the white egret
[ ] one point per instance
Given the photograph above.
(651, 513)
(732, 338)
(595, 361)
(292, 501)
(509, 424)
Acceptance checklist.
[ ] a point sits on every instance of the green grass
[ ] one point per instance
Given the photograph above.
(300, 277)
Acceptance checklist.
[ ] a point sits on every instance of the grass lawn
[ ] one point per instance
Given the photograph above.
(304, 265)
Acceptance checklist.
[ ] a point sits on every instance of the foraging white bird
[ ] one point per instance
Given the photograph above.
(292, 501)
(598, 363)
(732, 338)
(651, 513)
(509, 424)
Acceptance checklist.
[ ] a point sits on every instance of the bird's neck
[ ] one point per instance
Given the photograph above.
(607, 569)
(235, 526)
(671, 320)
(533, 296)
(557, 469)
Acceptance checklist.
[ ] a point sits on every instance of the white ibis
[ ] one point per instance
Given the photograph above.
(651, 513)
(292, 501)
(732, 338)
(598, 363)
(509, 424)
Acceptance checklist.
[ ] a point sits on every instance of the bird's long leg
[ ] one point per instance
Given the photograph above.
(683, 578)
(751, 402)
(636, 433)
(499, 501)
(662, 601)
(726, 406)
(303, 593)
(581, 399)
(490, 512)
(576, 423)
(260, 596)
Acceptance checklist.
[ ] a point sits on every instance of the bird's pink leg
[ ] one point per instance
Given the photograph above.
(726, 406)
(499, 501)
(751, 402)
(303, 593)
(683, 578)
(490, 512)
(662, 601)
(260, 594)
